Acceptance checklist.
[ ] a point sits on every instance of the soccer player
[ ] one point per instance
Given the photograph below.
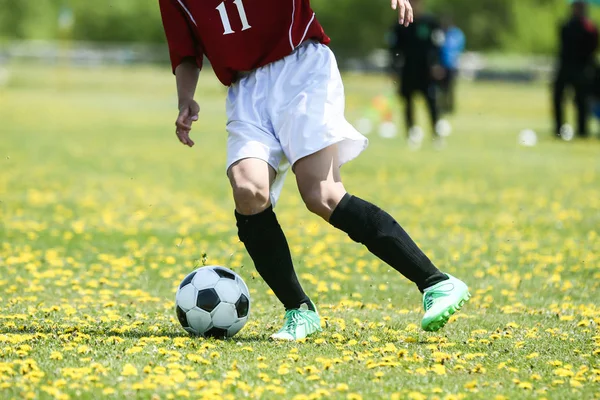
(415, 52)
(578, 44)
(285, 108)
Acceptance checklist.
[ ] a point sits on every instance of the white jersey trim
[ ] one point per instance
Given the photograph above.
(292, 24)
(187, 11)
(306, 30)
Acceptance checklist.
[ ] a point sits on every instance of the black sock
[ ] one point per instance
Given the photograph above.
(368, 224)
(268, 248)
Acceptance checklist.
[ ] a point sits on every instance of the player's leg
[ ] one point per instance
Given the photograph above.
(444, 95)
(409, 111)
(259, 230)
(558, 90)
(319, 182)
(582, 103)
(430, 93)
(450, 90)
(253, 156)
(309, 121)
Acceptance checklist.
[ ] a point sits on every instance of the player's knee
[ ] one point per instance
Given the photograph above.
(250, 198)
(322, 198)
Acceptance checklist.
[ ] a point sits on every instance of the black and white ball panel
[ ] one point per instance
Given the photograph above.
(205, 278)
(200, 320)
(187, 279)
(182, 317)
(217, 333)
(228, 290)
(186, 297)
(236, 327)
(207, 299)
(242, 306)
(224, 273)
(224, 315)
(243, 287)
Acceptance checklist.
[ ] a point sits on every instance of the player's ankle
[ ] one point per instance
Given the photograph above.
(432, 280)
(306, 304)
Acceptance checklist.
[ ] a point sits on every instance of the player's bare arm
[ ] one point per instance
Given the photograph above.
(186, 75)
(405, 11)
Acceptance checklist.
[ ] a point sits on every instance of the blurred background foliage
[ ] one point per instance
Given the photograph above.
(356, 26)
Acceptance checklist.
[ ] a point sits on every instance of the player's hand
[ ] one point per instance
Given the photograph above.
(405, 11)
(188, 113)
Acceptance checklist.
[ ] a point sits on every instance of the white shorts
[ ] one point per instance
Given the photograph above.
(290, 109)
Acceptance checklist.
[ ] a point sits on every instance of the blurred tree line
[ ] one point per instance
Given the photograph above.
(356, 26)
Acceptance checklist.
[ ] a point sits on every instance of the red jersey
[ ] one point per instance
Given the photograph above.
(237, 35)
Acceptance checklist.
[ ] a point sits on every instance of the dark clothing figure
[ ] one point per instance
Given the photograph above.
(415, 53)
(454, 45)
(578, 43)
(447, 90)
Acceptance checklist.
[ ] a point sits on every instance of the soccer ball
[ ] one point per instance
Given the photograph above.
(212, 301)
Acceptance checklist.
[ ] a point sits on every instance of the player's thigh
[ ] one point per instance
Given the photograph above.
(251, 180)
(319, 180)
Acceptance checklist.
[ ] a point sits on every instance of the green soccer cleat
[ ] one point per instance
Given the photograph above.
(441, 301)
(299, 323)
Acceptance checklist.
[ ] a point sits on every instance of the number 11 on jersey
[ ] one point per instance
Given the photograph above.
(225, 17)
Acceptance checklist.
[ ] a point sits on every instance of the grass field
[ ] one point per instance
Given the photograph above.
(103, 212)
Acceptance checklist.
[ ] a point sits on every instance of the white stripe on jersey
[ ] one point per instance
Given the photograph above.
(188, 12)
(306, 30)
(292, 24)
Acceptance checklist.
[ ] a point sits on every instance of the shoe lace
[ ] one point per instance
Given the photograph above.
(292, 319)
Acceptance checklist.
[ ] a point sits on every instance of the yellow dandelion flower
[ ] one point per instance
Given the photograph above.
(416, 396)
(129, 370)
(353, 396)
(575, 383)
(563, 372)
(525, 385)
(134, 350)
(342, 387)
(283, 370)
(470, 385)
(439, 369)
(56, 355)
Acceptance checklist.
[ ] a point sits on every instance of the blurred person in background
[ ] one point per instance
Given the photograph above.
(453, 47)
(596, 94)
(578, 43)
(415, 62)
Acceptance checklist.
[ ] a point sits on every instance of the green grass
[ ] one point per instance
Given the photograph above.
(103, 212)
